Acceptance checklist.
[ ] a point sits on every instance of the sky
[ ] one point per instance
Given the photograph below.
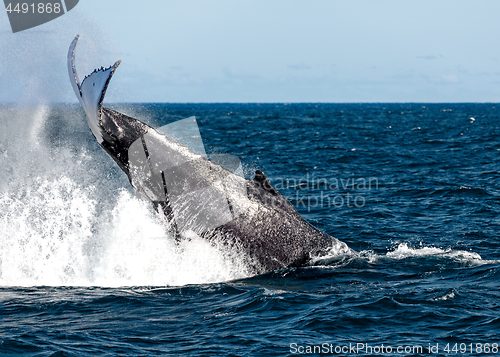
(263, 51)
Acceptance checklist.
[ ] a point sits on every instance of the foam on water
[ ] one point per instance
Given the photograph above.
(337, 258)
(403, 250)
(64, 223)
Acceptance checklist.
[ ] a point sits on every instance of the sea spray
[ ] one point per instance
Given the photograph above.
(67, 218)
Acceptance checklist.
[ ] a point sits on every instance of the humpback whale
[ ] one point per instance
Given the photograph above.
(196, 193)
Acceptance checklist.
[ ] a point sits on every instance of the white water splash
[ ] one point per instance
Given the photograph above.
(447, 296)
(64, 222)
(404, 251)
(52, 236)
(139, 251)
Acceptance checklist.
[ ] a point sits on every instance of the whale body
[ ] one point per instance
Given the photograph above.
(197, 194)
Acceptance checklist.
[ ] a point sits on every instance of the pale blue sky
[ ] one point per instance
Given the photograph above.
(264, 51)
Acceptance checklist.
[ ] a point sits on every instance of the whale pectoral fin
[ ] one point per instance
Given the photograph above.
(73, 76)
(90, 92)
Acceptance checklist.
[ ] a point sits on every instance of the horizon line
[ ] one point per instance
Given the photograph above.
(29, 103)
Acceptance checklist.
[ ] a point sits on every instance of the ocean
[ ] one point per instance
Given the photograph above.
(87, 267)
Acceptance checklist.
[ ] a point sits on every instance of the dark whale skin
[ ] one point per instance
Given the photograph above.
(272, 235)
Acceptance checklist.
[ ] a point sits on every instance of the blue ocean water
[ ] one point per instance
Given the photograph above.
(413, 189)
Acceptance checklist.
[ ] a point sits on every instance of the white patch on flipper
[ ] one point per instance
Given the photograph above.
(90, 92)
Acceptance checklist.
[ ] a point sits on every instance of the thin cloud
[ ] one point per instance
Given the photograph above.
(299, 66)
(429, 57)
(443, 79)
(238, 74)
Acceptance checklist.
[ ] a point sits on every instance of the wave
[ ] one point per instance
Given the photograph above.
(400, 252)
(403, 251)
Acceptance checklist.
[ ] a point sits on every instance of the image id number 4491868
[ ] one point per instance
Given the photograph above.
(471, 348)
(40, 8)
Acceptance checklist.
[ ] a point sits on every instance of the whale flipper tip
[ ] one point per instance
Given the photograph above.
(90, 92)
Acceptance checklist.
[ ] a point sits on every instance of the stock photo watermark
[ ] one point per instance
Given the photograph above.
(385, 349)
(319, 192)
(27, 14)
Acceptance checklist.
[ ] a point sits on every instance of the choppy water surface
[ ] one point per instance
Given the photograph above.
(87, 268)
